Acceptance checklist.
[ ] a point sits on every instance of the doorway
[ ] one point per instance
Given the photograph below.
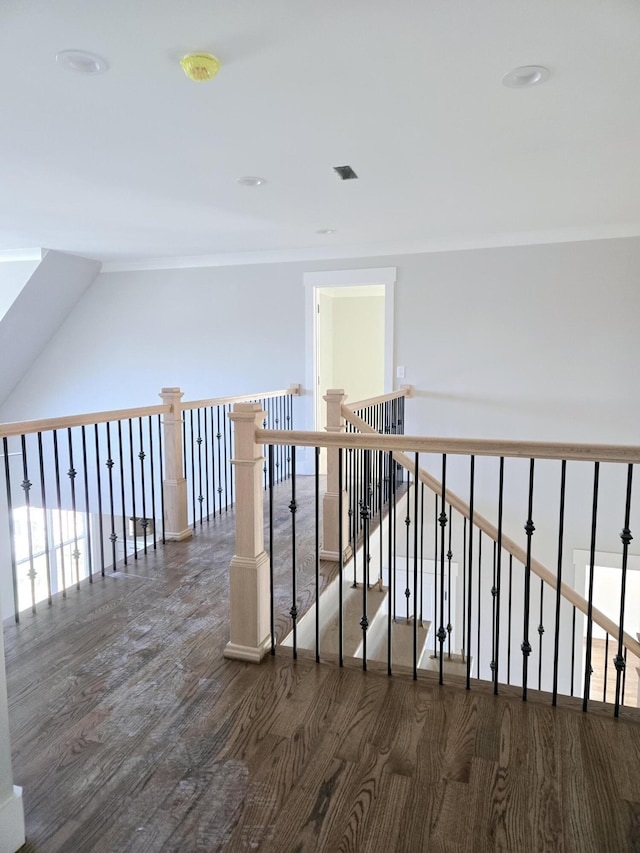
(349, 335)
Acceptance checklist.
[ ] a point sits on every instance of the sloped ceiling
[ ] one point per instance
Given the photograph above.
(141, 163)
(38, 310)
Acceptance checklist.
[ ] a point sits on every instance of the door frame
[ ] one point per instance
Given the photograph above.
(313, 282)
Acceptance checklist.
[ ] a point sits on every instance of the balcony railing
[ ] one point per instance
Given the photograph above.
(88, 493)
(465, 595)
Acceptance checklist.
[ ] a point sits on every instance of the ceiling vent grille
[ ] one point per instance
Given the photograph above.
(346, 173)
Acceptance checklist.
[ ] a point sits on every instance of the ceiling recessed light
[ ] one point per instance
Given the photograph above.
(326, 231)
(81, 62)
(525, 76)
(250, 181)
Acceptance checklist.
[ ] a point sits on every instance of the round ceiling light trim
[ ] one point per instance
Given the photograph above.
(525, 76)
(81, 62)
(251, 181)
(325, 231)
(200, 66)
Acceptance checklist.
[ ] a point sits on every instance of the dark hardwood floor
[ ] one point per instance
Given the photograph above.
(131, 732)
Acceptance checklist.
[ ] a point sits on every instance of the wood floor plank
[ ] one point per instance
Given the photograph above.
(131, 732)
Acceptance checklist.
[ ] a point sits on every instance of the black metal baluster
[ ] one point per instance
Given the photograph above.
(293, 612)
(278, 448)
(472, 469)
(592, 559)
(479, 593)
(141, 457)
(624, 676)
(133, 492)
(26, 487)
(416, 480)
(183, 421)
(573, 649)
(110, 463)
(232, 476)
(199, 443)
(556, 640)
(393, 536)
(422, 555)
(340, 557)
(449, 558)
(391, 610)
(219, 440)
(464, 586)
(540, 633)
(272, 617)
(122, 497)
(626, 537)
(365, 514)
(12, 537)
(606, 666)
(152, 482)
(206, 463)
(45, 514)
(193, 471)
(89, 561)
(407, 524)
(226, 458)
(443, 523)
(317, 508)
(354, 520)
(289, 426)
(264, 426)
(498, 583)
(494, 592)
(509, 619)
(72, 474)
(380, 497)
(99, 493)
(56, 463)
(160, 458)
(526, 645)
(435, 579)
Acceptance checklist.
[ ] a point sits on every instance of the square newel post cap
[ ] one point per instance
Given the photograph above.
(171, 395)
(247, 412)
(334, 395)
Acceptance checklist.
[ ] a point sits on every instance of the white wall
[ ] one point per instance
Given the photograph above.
(38, 311)
(209, 331)
(534, 341)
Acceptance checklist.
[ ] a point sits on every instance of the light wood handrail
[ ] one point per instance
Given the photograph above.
(374, 401)
(460, 446)
(28, 427)
(89, 418)
(508, 544)
(294, 390)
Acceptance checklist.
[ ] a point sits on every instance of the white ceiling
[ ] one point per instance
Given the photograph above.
(141, 163)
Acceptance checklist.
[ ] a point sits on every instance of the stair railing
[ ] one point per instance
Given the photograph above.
(87, 493)
(397, 447)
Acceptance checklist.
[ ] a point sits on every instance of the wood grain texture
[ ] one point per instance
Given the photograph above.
(131, 732)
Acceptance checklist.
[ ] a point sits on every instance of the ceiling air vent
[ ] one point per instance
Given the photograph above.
(346, 173)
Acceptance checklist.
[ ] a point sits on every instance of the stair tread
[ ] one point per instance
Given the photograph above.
(352, 614)
(401, 643)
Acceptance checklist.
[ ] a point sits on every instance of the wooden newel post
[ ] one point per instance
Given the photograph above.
(330, 505)
(174, 485)
(250, 632)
